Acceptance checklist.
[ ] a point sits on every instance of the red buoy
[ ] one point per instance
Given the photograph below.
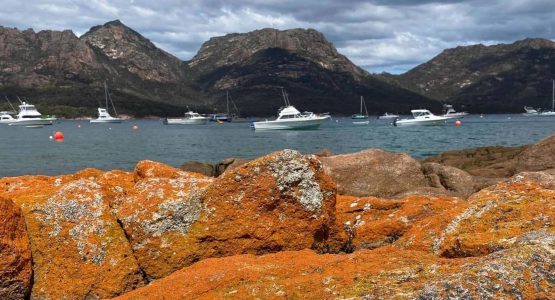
(135, 127)
(58, 136)
(458, 123)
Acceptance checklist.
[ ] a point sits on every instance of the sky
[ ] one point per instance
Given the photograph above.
(378, 35)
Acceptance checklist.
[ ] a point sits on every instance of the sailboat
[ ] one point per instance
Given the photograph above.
(361, 116)
(532, 112)
(228, 116)
(103, 114)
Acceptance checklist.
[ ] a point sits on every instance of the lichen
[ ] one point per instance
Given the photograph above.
(296, 178)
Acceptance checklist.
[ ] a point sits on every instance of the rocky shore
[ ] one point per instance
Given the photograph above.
(469, 224)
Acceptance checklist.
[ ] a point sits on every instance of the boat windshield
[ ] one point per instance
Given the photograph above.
(421, 113)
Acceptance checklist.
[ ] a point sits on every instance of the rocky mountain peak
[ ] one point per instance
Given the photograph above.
(134, 52)
(235, 48)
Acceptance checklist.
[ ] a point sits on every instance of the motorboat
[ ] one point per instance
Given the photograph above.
(449, 112)
(6, 117)
(388, 116)
(550, 113)
(360, 116)
(103, 114)
(532, 112)
(289, 118)
(29, 116)
(421, 117)
(190, 118)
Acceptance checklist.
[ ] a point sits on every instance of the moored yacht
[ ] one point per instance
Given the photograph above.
(29, 116)
(191, 118)
(388, 116)
(361, 116)
(449, 112)
(103, 114)
(289, 118)
(532, 112)
(421, 117)
(6, 117)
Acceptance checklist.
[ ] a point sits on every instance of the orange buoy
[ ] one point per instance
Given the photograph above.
(58, 136)
(458, 123)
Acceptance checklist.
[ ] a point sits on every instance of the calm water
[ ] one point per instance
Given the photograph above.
(117, 146)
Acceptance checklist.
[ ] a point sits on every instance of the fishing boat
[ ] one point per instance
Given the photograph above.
(533, 112)
(388, 116)
(361, 116)
(449, 112)
(103, 114)
(289, 118)
(421, 117)
(29, 116)
(190, 118)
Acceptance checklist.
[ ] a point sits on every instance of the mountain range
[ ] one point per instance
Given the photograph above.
(64, 74)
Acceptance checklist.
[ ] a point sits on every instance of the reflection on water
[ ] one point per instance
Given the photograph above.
(117, 146)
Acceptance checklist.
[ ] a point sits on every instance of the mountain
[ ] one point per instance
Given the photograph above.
(502, 77)
(64, 74)
(253, 65)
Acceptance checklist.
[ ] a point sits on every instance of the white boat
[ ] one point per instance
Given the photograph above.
(421, 117)
(388, 116)
(191, 118)
(29, 116)
(289, 118)
(6, 117)
(360, 116)
(449, 112)
(103, 114)
(532, 112)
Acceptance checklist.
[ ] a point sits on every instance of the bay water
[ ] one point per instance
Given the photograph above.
(26, 151)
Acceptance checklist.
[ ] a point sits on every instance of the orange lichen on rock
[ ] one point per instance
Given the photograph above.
(524, 271)
(15, 253)
(496, 216)
(152, 169)
(374, 222)
(282, 201)
(78, 248)
(156, 215)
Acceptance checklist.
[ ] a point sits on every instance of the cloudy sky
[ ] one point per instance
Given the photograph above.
(379, 35)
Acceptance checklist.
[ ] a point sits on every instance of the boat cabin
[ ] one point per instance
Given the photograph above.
(421, 113)
(289, 112)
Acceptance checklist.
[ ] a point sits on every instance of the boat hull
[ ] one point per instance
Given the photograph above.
(31, 122)
(455, 115)
(387, 117)
(304, 124)
(114, 120)
(361, 122)
(186, 121)
(425, 122)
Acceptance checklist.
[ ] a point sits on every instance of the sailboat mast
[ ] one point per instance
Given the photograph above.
(553, 97)
(106, 94)
(227, 102)
(361, 105)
